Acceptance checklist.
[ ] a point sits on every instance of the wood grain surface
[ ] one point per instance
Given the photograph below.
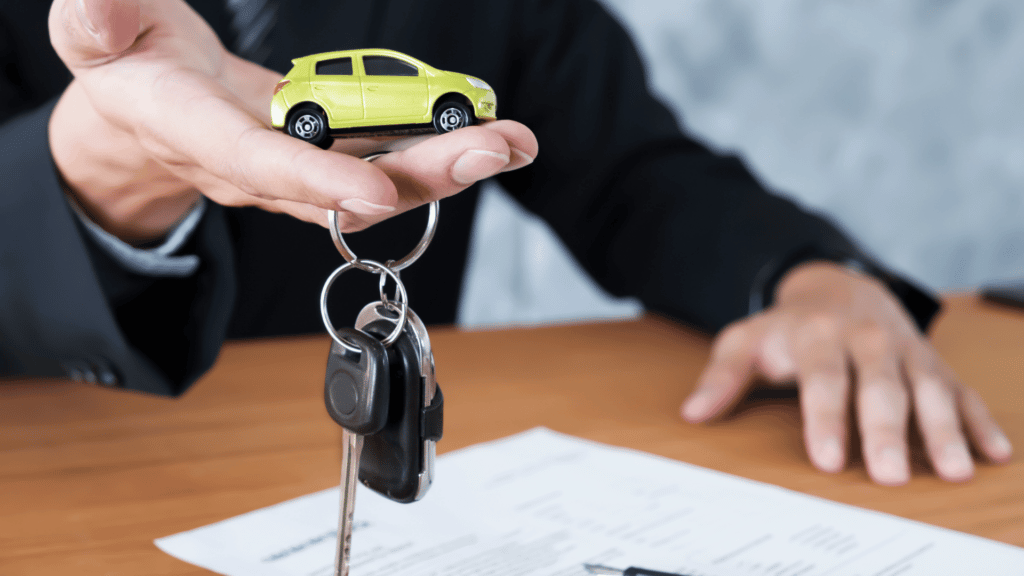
(90, 476)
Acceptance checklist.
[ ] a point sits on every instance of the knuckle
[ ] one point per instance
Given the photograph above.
(884, 434)
(873, 340)
(930, 388)
(821, 326)
(824, 407)
(249, 138)
(881, 388)
(829, 379)
(731, 339)
(881, 423)
(883, 405)
(823, 398)
(935, 398)
(242, 174)
(940, 429)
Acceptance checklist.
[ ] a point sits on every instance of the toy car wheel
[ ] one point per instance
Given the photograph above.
(310, 124)
(450, 116)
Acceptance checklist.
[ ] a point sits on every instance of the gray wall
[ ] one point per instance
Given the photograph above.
(903, 120)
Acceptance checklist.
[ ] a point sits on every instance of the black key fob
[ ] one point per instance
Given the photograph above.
(398, 460)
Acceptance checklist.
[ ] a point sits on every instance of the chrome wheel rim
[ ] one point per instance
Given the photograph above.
(452, 118)
(308, 126)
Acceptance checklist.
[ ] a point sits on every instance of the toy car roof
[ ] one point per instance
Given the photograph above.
(360, 52)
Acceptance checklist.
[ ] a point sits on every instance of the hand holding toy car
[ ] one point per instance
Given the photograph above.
(160, 112)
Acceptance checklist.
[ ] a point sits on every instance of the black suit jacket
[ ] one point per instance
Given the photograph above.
(648, 211)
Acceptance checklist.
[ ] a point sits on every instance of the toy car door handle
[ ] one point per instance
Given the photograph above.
(371, 88)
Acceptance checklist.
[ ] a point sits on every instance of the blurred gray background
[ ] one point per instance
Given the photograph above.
(902, 120)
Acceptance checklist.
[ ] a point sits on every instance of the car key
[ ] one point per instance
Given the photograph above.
(391, 397)
(398, 461)
(356, 393)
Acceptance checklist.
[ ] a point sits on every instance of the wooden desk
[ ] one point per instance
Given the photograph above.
(89, 477)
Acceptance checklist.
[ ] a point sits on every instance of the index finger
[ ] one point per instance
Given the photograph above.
(728, 372)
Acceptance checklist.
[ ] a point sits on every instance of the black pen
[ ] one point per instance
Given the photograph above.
(632, 571)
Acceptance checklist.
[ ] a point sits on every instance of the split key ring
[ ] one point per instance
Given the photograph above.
(395, 265)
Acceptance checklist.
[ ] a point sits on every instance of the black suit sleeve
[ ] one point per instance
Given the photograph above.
(67, 309)
(648, 211)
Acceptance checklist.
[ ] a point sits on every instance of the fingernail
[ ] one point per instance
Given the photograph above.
(830, 455)
(1000, 446)
(696, 407)
(891, 467)
(955, 462)
(360, 206)
(475, 165)
(84, 17)
(519, 160)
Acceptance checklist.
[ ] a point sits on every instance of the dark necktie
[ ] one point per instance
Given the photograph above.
(251, 20)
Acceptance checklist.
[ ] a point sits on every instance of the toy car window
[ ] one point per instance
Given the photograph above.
(386, 66)
(334, 67)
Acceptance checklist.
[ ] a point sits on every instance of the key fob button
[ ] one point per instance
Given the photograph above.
(357, 386)
(343, 394)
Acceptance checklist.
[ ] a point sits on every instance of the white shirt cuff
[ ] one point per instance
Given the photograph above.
(156, 261)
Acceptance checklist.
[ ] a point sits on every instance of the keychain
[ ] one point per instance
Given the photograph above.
(380, 387)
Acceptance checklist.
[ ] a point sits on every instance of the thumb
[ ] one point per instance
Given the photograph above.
(86, 33)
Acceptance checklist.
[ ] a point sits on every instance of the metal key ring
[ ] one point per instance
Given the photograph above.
(400, 264)
(382, 283)
(377, 268)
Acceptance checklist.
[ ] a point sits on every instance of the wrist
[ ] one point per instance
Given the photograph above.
(824, 279)
(921, 305)
(108, 176)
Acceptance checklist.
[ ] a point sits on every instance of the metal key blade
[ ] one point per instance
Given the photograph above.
(352, 446)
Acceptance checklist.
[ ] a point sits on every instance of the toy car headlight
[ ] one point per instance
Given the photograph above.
(478, 83)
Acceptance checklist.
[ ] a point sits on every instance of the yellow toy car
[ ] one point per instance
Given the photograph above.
(356, 92)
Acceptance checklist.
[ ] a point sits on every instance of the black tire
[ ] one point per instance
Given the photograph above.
(309, 123)
(451, 115)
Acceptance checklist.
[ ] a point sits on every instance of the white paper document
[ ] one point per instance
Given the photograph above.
(542, 503)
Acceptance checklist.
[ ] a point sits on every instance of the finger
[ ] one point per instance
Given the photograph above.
(86, 31)
(204, 135)
(935, 403)
(984, 431)
(225, 193)
(728, 373)
(776, 354)
(442, 166)
(882, 404)
(514, 134)
(521, 141)
(306, 212)
(824, 390)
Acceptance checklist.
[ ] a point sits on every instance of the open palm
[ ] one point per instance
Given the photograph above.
(160, 112)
